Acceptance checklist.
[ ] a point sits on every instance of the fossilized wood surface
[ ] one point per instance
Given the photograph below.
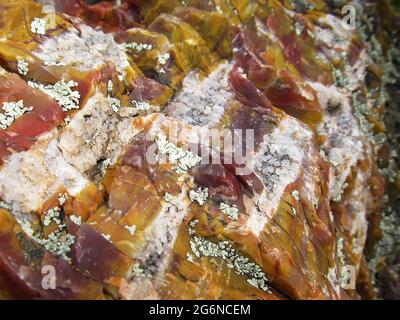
(112, 90)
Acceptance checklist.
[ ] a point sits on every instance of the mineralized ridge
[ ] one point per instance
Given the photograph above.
(226, 149)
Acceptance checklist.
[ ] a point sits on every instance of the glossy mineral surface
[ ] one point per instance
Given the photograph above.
(110, 111)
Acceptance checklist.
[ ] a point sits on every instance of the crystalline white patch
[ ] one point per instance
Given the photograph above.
(335, 39)
(337, 26)
(178, 131)
(329, 38)
(202, 102)
(29, 178)
(345, 144)
(87, 49)
(85, 139)
(160, 236)
(72, 179)
(25, 180)
(278, 164)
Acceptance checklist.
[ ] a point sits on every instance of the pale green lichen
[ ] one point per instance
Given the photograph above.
(201, 247)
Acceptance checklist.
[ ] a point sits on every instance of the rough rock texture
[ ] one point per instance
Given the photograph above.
(199, 150)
